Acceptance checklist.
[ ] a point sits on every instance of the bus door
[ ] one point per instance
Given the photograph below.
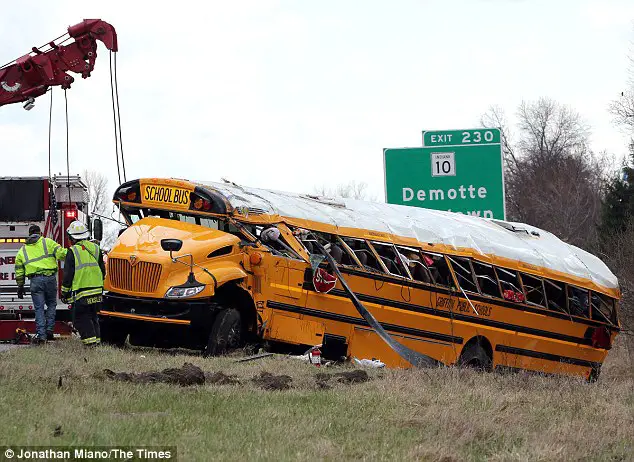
(285, 277)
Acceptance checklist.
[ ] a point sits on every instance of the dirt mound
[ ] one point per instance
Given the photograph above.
(268, 381)
(186, 375)
(350, 377)
(220, 378)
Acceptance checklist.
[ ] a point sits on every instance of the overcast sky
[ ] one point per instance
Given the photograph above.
(293, 94)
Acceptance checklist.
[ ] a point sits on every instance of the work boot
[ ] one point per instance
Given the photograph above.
(50, 336)
(38, 340)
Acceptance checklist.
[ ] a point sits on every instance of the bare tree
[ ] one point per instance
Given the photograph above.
(352, 190)
(98, 195)
(98, 202)
(618, 253)
(622, 108)
(496, 118)
(553, 180)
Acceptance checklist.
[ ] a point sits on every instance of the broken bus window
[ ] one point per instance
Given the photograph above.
(578, 301)
(534, 288)
(390, 259)
(510, 284)
(556, 296)
(602, 308)
(487, 279)
(462, 267)
(364, 254)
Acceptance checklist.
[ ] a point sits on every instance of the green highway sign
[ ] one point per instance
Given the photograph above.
(461, 137)
(455, 170)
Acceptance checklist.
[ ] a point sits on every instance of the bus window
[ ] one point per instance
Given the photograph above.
(349, 258)
(364, 254)
(208, 222)
(391, 260)
(131, 215)
(462, 267)
(340, 253)
(330, 243)
(602, 307)
(534, 288)
(578, 301)
(511, 286)
(487, 279)
(271, 237)
(417, 268)
(556, 296)
(306, 238)
(190, 219)
(335, 248)
(438, 268)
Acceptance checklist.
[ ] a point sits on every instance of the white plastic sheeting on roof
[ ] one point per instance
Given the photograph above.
(492, 237)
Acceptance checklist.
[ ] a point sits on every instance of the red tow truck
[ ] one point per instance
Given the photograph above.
(52, 204)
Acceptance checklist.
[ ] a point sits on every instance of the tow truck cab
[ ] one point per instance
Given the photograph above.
(50, 203)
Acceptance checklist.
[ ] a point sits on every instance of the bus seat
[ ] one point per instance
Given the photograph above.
(362, 256)
(391, 266)
(309, 246)
(336, 252)
(419, 273)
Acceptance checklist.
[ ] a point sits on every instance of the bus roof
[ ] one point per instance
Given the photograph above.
(508, 240)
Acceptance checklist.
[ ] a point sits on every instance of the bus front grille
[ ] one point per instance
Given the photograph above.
(143, 277)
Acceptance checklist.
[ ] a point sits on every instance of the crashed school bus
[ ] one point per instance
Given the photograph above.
(210, 265)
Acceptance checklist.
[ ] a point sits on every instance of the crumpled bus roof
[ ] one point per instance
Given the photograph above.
(489, 237)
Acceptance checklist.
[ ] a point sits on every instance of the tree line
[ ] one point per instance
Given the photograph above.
(555, 181)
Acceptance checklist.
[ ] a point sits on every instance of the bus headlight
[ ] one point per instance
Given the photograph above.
(183, 292)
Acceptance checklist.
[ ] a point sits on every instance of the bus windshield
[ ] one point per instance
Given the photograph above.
(134, 215)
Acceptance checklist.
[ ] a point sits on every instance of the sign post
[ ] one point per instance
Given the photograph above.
(455, 170)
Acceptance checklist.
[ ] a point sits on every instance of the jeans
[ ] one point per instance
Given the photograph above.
(44, 291)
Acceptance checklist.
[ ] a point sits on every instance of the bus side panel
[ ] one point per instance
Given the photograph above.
(514, 361)
(404, 325)
(291, 329)
(366, 344)
(441, 331)
(522, 351)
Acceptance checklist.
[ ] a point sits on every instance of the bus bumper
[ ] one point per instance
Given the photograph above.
(157, 322)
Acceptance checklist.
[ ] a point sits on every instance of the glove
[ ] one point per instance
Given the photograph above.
(20, 291)
(64, 297)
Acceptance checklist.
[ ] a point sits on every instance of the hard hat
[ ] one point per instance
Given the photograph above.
(77, 230)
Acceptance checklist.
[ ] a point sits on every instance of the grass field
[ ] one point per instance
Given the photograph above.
(441, 414)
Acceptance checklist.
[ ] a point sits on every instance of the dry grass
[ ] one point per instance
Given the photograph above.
(443, 414)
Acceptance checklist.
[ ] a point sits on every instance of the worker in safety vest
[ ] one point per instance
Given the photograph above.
(84, 272)
(37, 261)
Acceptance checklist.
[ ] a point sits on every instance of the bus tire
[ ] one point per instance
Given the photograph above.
(112, 334)
(595, 372)
(226, 333)
(475, 356)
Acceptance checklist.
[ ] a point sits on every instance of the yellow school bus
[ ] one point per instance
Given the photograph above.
(213, 265)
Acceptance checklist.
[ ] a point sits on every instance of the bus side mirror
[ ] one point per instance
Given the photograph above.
(97, 229)
(171, 245)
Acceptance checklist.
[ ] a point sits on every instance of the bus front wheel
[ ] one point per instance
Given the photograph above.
(112, 333)
(226, 333)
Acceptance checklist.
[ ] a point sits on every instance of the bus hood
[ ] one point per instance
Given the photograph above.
(137, 264)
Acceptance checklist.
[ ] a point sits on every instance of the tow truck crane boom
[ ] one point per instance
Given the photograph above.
(30, 76)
